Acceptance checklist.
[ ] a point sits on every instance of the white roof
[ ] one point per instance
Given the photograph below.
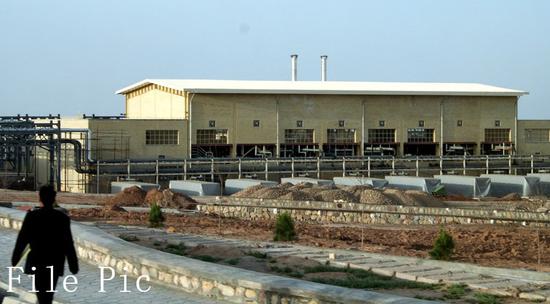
(325, 87)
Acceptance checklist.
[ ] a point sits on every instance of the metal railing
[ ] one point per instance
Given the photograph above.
(274, 168)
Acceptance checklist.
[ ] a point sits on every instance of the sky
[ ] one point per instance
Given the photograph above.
(69, 57)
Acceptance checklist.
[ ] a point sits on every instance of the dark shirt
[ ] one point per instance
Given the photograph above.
(48, 232)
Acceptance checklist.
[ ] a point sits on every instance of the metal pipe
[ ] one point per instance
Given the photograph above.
(324, 67)
(294, 66)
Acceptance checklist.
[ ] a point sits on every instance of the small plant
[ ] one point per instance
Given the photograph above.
(234, 261)
(175, 249)
(257, 254)
(485, 298)
(443, 246)
(455, 291)
(284, 228)
(156, 218)
(129, 237)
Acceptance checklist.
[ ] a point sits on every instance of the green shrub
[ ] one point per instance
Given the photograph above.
(443, 246)
(485, 298)
(455, 291)
(284, 228)
(156, 218)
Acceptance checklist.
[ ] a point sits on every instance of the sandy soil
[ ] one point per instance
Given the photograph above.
(488, 245)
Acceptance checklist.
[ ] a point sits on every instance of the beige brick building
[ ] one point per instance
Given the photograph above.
(203, 118)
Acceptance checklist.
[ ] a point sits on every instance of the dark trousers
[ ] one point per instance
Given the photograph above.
(43, 284)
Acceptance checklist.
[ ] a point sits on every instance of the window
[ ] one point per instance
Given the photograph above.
(497, 135)
(537, 135)
(299, 123)
(381, 123)
(341, 136)
(209, 136)
(298, 136)
(459, 123)
(341, 123)
(212, 123)
(378, 136)
(256, 123)
(420, 135)
(161, 137)
(421, 123)
(497, 123)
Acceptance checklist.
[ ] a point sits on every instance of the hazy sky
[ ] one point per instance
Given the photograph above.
(69, 57)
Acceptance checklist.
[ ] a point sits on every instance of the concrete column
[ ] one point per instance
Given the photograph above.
(277, 140)
(363, 135)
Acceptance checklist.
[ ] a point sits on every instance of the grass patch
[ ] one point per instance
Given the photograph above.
(175, 249)
(362, 279)
(206, 258)
(129, 237)
(455, 291)
(485, 298)
(257, 254)
(287, 271)
(157, 244)
(234, 261)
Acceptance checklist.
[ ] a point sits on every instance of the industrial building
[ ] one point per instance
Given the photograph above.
(176, 119)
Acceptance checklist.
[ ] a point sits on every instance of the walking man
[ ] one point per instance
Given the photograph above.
(47, 233)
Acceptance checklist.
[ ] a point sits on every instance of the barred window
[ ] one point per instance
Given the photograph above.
(298, 136)
(497, 135)
(379, 136)
(340, 136)
(211, 136)
(420, 135)
(161, 137)
(537, 135)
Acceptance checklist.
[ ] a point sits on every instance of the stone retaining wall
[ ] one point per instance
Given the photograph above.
(353, 213)
(198, 277)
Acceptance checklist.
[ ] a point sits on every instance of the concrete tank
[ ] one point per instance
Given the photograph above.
(468, 186)
(503, 184)
(195, 188)
(413, 183)
(358, 181)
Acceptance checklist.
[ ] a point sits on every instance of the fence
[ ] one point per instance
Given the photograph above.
(216, 169)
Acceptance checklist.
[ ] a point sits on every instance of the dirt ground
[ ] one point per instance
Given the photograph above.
(488, 245)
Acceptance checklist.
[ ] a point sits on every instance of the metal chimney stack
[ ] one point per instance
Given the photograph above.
(324, 67)
(294, 66)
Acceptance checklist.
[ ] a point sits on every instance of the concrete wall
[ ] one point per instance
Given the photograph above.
(528, 147)
(154, 102)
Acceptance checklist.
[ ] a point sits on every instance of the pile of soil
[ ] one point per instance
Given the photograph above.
(169, 199)
(374, 197)
(132, 197)
(248, 192)
(337, 195)
(352, 194)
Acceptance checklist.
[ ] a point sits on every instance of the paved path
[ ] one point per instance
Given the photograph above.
(489, 280)
(88, 284)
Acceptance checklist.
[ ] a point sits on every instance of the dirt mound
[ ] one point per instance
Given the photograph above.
(511, 197)
(298, 196)
(285, 186)
(400, 197)
(132, 196)
(424, 199)
(374, 197)
(249, 192)
(337, 195)
(300, 186)
(169, 199)
(271, 193)
(220, 252)
(357, 190)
